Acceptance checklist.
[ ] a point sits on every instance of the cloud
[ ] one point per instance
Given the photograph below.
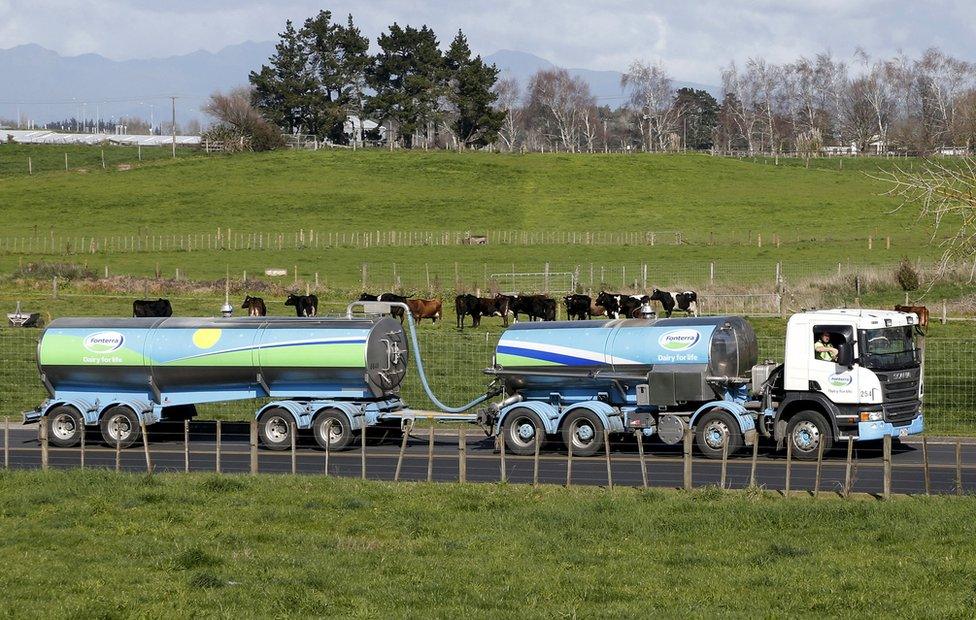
(694, 39)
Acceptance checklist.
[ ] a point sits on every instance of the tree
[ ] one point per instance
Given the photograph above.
(557, 102)
(744, 91)
(698, 117)
(471, 95)
(509, 100)
(240, 123)
(284, 89)
(651, 95)
(407, 76)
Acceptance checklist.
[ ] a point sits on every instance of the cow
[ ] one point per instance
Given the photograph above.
(254, 306)
(152, 307)
(596, 310)
(390, 298)
(305, 305)
(425, 309)
(577, 306)
(921, 311)
(686, 301)
(493, 306)
(465, 305)
(535, 306)
(621, 305)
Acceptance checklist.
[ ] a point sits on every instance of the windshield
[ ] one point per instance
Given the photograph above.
(890, 348)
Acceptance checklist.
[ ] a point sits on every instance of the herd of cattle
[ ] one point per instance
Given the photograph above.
(535, 307)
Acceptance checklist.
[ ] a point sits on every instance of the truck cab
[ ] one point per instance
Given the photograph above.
(848, 375)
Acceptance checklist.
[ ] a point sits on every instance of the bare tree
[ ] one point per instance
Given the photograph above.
(510, 100)
(651, 97)
(238, 120)
(745, 90)
(557, 102)
(942, 79)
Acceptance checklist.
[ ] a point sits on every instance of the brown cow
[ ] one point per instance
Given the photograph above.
(921, 311)
(425, 309)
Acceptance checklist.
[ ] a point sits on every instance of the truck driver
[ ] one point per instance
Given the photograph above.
(823, 350)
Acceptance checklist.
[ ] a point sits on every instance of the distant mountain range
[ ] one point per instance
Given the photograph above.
(45, 86)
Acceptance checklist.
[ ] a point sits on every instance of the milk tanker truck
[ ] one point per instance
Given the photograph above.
(573, 381)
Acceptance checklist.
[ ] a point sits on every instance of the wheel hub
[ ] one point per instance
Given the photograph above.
(806, 436)
(277, 429)
(64, 426)
(585, 433)
(716, 434)
(119, 428)
(526, 431)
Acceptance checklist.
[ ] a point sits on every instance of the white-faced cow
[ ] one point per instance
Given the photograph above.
(152, 307)
(305, 305)
(686, 301)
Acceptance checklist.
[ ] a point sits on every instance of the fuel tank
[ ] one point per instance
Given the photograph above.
(273, 356)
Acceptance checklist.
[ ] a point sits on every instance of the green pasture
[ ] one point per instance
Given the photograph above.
(49, 159)
(96, 544)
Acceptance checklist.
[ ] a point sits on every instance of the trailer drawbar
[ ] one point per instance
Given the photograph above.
(575, 380)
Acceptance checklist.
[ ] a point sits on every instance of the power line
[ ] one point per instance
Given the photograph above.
(93, 101)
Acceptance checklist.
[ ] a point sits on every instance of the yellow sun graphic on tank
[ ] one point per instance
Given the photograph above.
(206, 337)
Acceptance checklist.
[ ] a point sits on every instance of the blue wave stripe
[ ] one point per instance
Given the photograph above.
(559, 358)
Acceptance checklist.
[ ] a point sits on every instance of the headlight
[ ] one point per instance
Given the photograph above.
(872, 416)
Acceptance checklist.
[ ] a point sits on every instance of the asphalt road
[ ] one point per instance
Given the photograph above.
(664, 464)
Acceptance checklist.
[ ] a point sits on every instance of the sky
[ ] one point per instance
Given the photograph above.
(693, 39)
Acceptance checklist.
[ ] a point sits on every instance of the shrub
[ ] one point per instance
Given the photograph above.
(907, 275)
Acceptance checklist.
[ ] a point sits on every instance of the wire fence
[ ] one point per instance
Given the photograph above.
(410, 453)
(455, 361)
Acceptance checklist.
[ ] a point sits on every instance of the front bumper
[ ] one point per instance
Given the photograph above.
(32, 417)
(867, 431)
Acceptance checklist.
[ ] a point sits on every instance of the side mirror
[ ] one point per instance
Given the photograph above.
(845, 354)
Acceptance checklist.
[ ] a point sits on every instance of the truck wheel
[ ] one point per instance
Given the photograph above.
(64, 426)
(522, 429)
(274, 426)
(713, 430)
(340, 435)
(119, 425)
(585, 431)
(807, 430)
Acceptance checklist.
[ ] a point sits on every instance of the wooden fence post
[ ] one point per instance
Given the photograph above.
(294, 439)
(848, 469)
(254, 446)
(886, 462)
(640, 455)
(145, 444)
(83, 433)
(430, 454)
(44, 444)
(606, 451)
(569, 464)
(755, 460)
(958, 467)
(118, 445)
(503, 474)
(535, 460)
(925, 465)
(725, 464)
(328, 444)
(687, 459)
(789, 465)
(462, 457)
(217, 454)
(6, 442)
(186, 446)
(816, 483)
(362, 455)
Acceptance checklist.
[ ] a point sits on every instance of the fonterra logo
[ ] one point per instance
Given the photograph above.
(840, 380)
(678, 339)
(104, 342)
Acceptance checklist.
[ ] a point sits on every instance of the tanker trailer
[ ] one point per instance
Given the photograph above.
(583, 379)
(116, 373)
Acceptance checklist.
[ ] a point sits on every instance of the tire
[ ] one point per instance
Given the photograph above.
(128, 426)
(341, 434)
(585, 431)
(806, 430)
(715, 429)
(65, 426)
(520, 431)
(275, 427)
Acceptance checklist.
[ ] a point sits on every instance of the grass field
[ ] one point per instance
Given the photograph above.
(91, 544)
(46, 159)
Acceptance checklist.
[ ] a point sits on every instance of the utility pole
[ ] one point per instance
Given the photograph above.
(173, 99)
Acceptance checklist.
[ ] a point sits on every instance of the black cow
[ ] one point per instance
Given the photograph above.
(537, 307)
(686, 301)
(305, 305)
(465, 305)
(577, 306)
(621, 305)
(493, 306)
(152, 307)
(254, 306)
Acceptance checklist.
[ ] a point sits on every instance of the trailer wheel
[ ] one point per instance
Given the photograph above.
(522, 429)
(65, 426)
(119, 425)
(714, 430)
(340, 434)
(584, 430)
(274, 427)
(807, 430)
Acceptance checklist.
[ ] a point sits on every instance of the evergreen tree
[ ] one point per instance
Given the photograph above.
(699, 117)
(282, 88)
(407, 76)
(470, 93)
